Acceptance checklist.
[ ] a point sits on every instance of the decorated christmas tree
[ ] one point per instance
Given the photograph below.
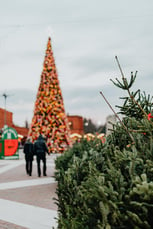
(49, 117)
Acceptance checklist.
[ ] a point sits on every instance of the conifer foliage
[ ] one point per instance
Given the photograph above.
(49, 117)
(110, 185)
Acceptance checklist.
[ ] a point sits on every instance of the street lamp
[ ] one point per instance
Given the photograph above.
(5, 120)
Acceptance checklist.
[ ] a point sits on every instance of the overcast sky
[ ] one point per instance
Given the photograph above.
(86, 35)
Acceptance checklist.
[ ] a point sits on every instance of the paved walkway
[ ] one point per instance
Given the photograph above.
(27, 202)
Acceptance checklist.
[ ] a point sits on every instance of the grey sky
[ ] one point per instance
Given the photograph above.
(86, 36)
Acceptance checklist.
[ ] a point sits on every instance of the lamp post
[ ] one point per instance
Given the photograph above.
(5, 97)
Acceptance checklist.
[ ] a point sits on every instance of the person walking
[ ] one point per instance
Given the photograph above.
(40, 150)
(28, 151)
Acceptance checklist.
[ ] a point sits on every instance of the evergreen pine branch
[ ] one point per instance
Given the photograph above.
(117, 84)
(130, 95)
(132, 79)
(118, 117)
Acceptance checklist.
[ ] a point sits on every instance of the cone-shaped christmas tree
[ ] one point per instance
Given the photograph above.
(49, 117)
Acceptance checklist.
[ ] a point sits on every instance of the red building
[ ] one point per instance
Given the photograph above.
(75, 123)
(8, 117)
(5, 115)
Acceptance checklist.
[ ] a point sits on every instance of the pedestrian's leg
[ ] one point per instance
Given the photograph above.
(38, 166)
(27, 170)
(30, 167)
(44, 167)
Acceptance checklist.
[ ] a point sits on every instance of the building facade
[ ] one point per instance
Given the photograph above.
(6, 117)
(76, 124)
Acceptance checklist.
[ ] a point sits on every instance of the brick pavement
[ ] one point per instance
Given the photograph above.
(27, 202)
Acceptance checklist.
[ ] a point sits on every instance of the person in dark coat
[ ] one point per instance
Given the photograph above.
(28, 151)
(40, 150)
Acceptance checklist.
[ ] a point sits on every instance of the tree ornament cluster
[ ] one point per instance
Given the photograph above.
(49, 117)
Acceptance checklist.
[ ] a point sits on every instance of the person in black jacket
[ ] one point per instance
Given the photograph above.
(40, 150)
(28, 151)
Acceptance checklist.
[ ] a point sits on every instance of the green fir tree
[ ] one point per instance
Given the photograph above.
(109, 186)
